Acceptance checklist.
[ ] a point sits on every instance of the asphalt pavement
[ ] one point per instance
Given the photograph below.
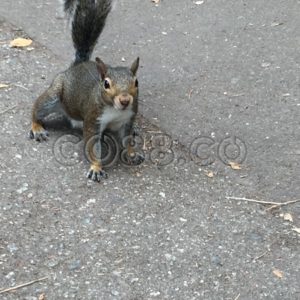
(220, 88)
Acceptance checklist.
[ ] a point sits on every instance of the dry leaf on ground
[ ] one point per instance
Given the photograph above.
(278, 273)
(155, 1)
(287, 217)
(276, 24)
(3, 85)
(42, 297)
(296, 229)
(209, 174)
(20, 42)
(234, 165)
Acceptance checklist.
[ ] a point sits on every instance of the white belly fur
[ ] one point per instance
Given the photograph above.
(114, 119)
(76, 124)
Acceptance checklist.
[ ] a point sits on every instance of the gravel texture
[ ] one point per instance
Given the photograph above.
(155, 232)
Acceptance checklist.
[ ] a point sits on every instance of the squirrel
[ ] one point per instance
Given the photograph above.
(101, 96)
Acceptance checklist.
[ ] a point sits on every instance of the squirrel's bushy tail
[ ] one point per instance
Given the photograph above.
(89, 18)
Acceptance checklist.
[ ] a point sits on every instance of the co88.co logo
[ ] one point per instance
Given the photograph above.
(161, 153)
(205, 150)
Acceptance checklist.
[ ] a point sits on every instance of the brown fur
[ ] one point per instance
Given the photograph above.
(80, 93)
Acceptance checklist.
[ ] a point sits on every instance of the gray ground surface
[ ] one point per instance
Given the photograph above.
(157, 232)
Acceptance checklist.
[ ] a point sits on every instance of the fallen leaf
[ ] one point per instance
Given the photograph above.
(42, 297)
(3, 85)
(296, 229)
(155, 1)
(276, 24)
(287, 217)
(20, 42)
(209, 174)
(234, 165)
(278, 273)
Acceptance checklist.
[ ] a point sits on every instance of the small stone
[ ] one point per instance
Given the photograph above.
(75, 265)
(87, 221)
(170, 257)
(266, 64)
(10, 275)
(155, 294)
(115, 293)
(52, 263)
(23, 188)
(12, 248)
(91, 201)
(216, 260)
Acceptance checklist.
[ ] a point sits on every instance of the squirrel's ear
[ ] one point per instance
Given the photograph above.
(135, 66)
(102, 68)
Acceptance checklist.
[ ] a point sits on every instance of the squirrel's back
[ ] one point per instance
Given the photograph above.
(80, 83)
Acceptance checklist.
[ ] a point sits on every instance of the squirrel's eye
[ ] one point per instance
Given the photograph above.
(136, 83)
(106, 84)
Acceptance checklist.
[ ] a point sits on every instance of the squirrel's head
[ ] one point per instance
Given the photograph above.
(119, 85)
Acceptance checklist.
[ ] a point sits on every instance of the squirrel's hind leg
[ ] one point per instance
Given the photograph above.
(47, 103)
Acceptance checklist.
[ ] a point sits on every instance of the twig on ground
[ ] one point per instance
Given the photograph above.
(237, 297)
(264, 253)
(22, 285)
(274, 204)
(154, 131)
(8, 109)
(260, 256)
(21, 86)
(282, 204)
(236, 95)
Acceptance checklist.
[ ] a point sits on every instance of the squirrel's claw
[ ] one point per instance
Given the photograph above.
(133, 160)
(39, 136)
(96, 175)
(136, 130)
(138, 159)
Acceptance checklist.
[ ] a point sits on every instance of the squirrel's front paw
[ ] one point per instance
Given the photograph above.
(96, 174)
(38, 133)
(132, 159)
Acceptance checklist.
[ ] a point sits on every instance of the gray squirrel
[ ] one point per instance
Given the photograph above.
(101, 96)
